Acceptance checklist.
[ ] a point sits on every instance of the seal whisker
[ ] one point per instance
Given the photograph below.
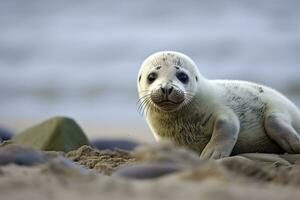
(142, 102)
(148, 105)
(145, 106)
(141, 107)
(143, 97)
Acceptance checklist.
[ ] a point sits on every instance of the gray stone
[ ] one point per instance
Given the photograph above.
(13, 154)
(147, 171)
(55, 134)
(113, 144)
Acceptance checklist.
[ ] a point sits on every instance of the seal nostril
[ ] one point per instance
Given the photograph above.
(170, 90)
(163, 90)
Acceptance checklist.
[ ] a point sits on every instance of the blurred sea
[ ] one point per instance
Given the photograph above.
(81, 58)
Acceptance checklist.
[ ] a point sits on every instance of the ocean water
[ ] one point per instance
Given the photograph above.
(81, 58)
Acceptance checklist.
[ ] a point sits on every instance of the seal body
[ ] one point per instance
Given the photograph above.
(215, 118)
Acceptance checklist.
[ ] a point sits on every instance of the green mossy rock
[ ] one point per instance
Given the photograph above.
(55, 134)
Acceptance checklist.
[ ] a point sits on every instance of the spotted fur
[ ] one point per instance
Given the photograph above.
(214, 105)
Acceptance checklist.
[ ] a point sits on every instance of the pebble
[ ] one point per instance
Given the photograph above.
(5, 134)
(113, 144)
(147, 171)
(21, 156)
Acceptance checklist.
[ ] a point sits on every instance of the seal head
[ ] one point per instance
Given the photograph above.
(167, 81)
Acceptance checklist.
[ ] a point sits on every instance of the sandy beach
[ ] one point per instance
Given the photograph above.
(233, 178)
(81, 59)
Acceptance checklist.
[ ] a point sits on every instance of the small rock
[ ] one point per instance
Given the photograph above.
(5, 134)
(55, 134)
(113, 144)
(23, 156)
(14, 154)
(147, 171)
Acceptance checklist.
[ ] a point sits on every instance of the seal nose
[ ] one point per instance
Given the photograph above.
(167, 90)
(170, 89)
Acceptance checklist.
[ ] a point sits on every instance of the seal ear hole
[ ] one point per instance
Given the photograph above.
(140, 77)
(196, 78)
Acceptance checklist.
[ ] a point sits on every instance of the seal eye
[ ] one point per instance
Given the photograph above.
(183, 77)
(151, 77)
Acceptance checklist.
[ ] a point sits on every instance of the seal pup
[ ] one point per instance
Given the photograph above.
(215, 118)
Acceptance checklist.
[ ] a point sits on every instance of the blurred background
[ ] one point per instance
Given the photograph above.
(81, 58)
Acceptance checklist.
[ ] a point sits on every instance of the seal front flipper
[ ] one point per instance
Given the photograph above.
(223, 139)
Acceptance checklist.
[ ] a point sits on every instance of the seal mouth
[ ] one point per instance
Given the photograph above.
(167, 104)
(168, 98)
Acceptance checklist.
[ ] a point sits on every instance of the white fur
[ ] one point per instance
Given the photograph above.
(238, 103)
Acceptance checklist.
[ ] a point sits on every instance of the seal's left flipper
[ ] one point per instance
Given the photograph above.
(224, 137)
(281, 130)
